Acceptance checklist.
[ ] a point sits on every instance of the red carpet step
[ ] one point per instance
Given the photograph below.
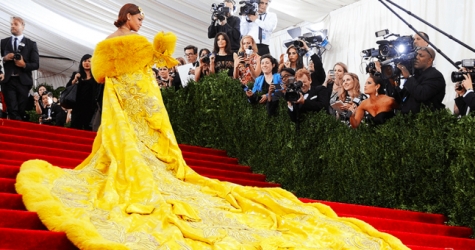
(20, 229)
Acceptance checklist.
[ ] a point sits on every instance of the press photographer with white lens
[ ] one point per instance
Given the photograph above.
(425, 88)
(257, 22)
(223, 20)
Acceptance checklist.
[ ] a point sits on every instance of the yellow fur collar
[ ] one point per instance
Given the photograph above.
(125, 54)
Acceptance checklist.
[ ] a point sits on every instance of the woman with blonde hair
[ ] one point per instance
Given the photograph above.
(248, 66)
(334, 83)
(351, 97)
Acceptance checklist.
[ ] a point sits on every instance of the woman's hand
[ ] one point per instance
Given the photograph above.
(76, 78)
(263, 98)
(249, 93)
(287, 64)
(328, 80)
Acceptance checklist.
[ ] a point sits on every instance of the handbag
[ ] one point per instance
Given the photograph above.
(67, 98)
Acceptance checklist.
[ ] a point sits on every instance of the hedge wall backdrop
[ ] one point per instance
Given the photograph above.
(421, 162)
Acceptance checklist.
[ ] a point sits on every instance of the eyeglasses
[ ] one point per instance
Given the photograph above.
(284, 76)
(189, 54)
(428, 51)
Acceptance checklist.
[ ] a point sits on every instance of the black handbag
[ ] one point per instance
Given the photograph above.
(67, 98)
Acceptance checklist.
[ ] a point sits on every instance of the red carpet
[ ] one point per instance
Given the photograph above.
(20, 229)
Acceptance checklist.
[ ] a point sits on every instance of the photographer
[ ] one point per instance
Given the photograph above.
(223, 20)
(465, 101)
(311, 98)
(20, 58)
(259, 25)
(203, 69)
(426, 87)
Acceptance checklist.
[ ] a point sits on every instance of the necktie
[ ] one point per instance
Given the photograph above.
(260, 31)
(15, 44)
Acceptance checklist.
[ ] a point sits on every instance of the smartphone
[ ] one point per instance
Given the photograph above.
(286, 57)
(332, 74)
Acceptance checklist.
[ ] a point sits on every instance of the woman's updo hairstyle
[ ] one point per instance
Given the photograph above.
(129, 8)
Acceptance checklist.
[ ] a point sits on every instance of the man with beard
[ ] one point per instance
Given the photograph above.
(20, 58)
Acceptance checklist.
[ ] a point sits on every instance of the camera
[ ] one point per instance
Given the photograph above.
(219, 11)
(469, 64)
(457, 76)
(17, 55)
(249, 8)
(390, 53)
(293, 91)
(205, 59)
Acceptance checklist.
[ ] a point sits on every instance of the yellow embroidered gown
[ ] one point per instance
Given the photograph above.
(135, 191)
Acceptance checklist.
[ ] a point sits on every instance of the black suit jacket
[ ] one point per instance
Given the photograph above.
(466, 102)
(30, 56)
(318, 75)
(426, 87)
(317, 99)
(231, 28)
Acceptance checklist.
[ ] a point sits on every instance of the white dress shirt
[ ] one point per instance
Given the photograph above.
(267, 24)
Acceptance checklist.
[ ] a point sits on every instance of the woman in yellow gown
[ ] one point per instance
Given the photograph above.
(135, 191)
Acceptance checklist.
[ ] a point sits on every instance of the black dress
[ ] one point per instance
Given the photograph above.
(380, 118)
(224, 63)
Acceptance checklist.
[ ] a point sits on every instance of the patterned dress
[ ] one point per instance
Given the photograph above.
(135, 191)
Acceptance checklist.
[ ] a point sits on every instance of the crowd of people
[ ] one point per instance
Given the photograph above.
(241, 48)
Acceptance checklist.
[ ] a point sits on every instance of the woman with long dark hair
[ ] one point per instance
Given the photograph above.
(378, 106)
(83, 111)
(222, 57)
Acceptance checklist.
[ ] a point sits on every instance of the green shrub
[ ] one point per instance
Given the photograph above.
(419, 162)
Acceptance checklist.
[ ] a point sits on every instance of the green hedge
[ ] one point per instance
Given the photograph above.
(421, 162)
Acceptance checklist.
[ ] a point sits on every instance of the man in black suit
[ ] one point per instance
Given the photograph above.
(20, 58)
(311, 98)
(228, 24)
(426, 87)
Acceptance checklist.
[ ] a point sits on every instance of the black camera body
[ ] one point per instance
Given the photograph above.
(205, 59)
(219, 11)
(293, 91)
(457, 76)
(17, 55)
(390, 53)
(249, 8)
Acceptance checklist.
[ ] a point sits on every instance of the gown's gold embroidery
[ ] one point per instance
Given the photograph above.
(135, 191)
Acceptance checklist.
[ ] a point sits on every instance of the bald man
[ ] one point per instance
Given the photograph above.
(426, 87)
